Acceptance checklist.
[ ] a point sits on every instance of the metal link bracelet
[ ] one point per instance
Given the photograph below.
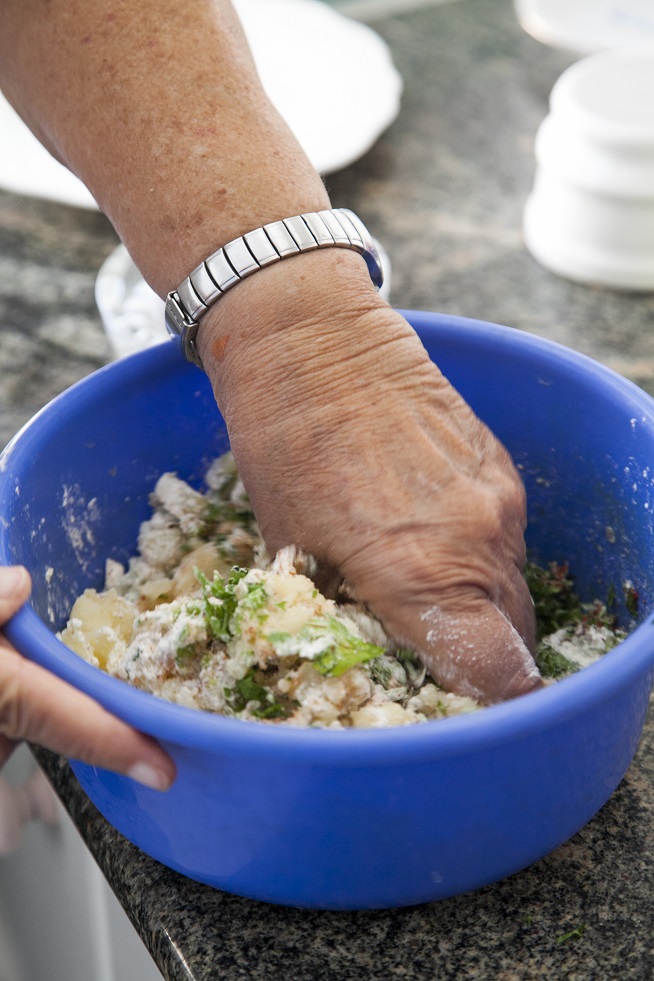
(237, 260)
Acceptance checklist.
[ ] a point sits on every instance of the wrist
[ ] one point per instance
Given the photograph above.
(306, 304)
(256, 250)
(308, 336)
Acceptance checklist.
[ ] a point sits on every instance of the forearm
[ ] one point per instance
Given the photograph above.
(349, 441)
(157, 107)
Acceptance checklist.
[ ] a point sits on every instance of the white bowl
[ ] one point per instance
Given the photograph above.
(586, 26)
(590, 216)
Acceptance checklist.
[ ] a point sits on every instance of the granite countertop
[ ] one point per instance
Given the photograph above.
(443, 190)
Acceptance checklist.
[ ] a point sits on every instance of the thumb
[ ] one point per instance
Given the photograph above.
(15, 587)
(37, 706)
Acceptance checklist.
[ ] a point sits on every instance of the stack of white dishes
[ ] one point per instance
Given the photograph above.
(590, 216)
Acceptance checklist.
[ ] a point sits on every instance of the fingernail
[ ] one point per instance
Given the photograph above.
(149, 776)
(12, 580)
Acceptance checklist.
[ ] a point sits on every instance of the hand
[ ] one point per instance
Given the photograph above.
(37, 706)
(353, 446)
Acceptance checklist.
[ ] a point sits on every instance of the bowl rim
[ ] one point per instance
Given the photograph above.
(173, 724)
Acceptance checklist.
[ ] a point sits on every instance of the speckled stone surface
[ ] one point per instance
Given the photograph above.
(50, 332)
(443, 190)
(512, 931)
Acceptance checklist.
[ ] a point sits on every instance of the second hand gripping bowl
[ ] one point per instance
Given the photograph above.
(354, 819)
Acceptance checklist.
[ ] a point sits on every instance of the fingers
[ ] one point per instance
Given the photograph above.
(518, 606)
(14, 589)
(468, 645)
(37, 706)
(476, 652)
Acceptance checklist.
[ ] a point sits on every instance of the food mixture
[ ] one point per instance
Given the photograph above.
(204, 618)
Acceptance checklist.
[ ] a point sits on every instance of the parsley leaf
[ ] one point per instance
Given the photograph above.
(551, 664)
(327, 643)
(343, 649)
(247, 690)
(220, 601)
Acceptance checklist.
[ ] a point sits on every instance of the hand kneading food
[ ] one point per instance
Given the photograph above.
(202, 617)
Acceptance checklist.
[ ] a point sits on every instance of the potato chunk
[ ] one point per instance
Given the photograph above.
(103, 619)
(207, 559)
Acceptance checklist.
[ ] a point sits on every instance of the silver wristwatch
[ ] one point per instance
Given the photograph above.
(226, 267)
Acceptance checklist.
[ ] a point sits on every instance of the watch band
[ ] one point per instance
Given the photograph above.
(278, 240)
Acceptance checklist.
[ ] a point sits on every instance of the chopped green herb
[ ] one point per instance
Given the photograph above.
(220, 601)
(555, 601)
(327, 643)
(578, 931)
(250, 690)
(184, 655)
(278, 638)
(274, 711)
(551, 664)
(220, 517)
(253, 600)
(247, 690)
(345, 651)
(388, 672)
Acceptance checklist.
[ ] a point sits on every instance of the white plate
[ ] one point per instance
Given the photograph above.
(331, 78)
(27, 168)
(586, 26)
(133, 315)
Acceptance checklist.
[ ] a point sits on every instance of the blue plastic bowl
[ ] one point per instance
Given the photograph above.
(372, 818)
